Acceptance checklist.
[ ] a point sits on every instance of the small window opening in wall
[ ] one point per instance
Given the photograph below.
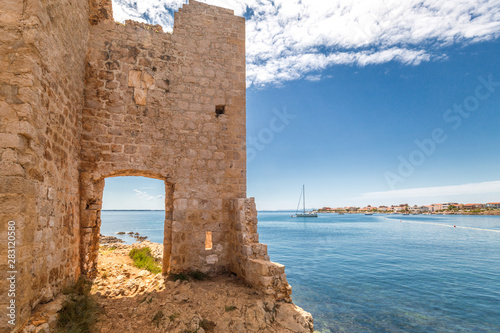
(208, 240)
(220, 109)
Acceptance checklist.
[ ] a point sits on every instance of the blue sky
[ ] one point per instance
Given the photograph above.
(363, 102)
(129, 193)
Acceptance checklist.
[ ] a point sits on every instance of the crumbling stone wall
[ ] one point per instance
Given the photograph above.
(153, 107)
(83, 98)
(249, 258)
(42, 51)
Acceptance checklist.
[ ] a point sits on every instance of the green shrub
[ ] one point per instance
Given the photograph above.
(197, 275)
(145, 299)
(207, 325)
(174, 316)
(143, 259)
(230, 308)
(178, 276)
(158, 318)
(185, 276)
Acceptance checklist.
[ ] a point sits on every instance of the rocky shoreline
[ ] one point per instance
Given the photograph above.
(113, 240)
(135, 300)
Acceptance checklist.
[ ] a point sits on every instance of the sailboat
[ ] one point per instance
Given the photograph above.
(304, 213)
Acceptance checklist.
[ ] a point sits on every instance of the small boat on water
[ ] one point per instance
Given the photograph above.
(368, 213)
(304, 213)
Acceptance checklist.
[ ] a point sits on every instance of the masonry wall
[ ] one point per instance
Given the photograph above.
(249, 259)
(42, 52)
(150, 110)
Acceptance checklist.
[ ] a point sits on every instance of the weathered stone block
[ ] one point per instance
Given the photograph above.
(11, 169)
(277, 269)
(12, 203)
(148, 80)
(8, 140)
(134, 79)
(266, 281)
(261, 267)
(140, 96)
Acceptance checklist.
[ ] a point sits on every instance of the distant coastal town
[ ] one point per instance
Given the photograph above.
(450, 208)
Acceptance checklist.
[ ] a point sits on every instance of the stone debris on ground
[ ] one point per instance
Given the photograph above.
(44, 317)
(136, 300)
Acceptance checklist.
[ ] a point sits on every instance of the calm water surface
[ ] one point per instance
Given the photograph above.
(380, 273)
(146, 223)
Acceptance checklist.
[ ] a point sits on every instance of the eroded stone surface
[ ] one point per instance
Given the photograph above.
(42, 74)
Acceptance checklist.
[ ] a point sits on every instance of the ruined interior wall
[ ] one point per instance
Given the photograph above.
(150, 109)
(42, 50)
(249, 259)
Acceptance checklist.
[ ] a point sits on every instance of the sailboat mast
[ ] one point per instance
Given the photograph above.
(304, 191)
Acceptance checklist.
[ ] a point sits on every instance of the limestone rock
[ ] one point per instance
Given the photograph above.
(140, 96)
(294, 318)
(134, 79)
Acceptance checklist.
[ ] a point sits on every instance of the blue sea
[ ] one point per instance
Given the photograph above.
(145, 222)
(380, 273)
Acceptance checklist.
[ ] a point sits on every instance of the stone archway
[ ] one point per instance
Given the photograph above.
(91, 193)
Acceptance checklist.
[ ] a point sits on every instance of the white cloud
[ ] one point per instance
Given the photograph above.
(313, 78)
(440, 191)
(290, 39)
(147, 11)
(145, 196)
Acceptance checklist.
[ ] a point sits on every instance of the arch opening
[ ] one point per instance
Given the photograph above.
(137, 204)
(133, 204)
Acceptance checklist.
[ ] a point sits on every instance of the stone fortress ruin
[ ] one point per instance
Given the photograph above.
(83, 98)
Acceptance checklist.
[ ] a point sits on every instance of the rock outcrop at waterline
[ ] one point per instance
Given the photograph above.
(112, 239)
(109, 240)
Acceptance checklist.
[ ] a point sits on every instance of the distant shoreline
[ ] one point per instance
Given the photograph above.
(485, 213)
(132, 210)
